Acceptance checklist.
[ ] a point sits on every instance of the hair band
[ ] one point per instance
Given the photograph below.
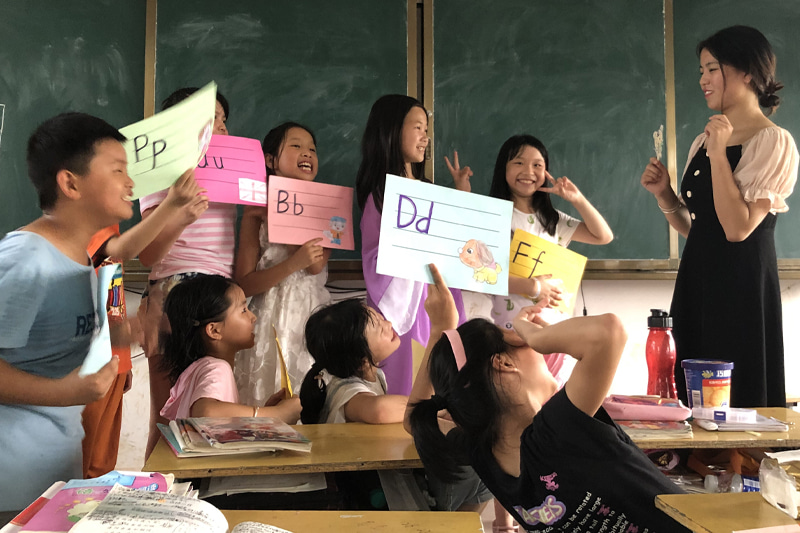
(457, 346)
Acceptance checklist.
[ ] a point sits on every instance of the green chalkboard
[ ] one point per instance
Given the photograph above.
(319, 63)
(778, 21)
(56, 57)
(586, 77)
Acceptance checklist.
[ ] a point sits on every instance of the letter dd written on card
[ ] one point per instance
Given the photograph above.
(466, 235)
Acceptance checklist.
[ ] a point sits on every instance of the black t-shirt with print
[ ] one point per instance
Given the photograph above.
(578, 473)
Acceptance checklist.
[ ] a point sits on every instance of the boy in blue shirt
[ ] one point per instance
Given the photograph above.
(47, 315)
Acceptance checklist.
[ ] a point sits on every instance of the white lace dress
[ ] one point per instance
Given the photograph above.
(287, 305)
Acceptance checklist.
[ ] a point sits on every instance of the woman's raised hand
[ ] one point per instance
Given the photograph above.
(460, 175)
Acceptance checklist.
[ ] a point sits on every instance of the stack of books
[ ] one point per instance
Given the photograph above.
(197, 437)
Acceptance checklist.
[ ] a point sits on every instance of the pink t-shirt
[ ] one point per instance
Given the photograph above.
(205, 246)
(207, 377)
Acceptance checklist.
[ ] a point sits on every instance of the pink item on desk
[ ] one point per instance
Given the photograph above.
(620, 407)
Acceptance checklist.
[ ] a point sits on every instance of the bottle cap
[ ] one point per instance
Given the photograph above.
(659, 319)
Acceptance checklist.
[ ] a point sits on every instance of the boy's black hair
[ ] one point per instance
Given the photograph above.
(189, 306)
(335, 338)
(186, 92)
(64, 142)
(747, 50)
(381, 147)
(273, 141)
(540, 201)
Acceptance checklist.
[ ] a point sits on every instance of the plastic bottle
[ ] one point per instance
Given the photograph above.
(660, 354)
(724, 482)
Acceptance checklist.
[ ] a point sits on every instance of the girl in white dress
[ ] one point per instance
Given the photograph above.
(287, 282)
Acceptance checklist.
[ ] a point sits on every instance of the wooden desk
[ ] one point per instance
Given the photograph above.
(736, 439)
(722, 513)
(361, 521)
(334, 448)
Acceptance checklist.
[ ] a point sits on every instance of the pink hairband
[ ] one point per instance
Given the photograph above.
(457, 346)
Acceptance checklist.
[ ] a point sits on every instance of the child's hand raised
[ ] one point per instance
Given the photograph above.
(439, 304)
(562, 187)
(550, 292)
(184, 190)
(460, 175)
(308, 254)
(528, 320)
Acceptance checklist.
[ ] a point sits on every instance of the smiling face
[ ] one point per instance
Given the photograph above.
(525, 173)
(297, 157)
(106, 187)
(721, 92)
(381, 337)
(414, 135)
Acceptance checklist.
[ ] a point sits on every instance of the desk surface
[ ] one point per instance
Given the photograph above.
(361, 521)
(334, 448)
(722, 513)
(736, 439)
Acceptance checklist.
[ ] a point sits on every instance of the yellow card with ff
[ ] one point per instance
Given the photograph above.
(285, 381)
(533, 256)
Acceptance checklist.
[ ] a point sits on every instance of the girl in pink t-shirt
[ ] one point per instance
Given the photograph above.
(209, 322)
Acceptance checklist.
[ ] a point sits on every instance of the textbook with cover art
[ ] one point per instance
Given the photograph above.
(213, 436)
(656, 429)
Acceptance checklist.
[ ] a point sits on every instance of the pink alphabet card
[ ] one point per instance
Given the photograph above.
(299, 211)
(233, 171)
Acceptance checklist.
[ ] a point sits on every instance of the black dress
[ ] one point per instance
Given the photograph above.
(727, 302)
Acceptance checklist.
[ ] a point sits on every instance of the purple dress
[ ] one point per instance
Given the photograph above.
(401, 301)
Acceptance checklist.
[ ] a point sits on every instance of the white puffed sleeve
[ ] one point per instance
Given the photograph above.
(768, 168)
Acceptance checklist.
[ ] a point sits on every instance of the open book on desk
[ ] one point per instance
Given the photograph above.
(656, 429)
(214, 436)
(127, 511)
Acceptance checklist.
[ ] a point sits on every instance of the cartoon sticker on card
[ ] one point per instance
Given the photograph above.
(334, 234)
(476, 255)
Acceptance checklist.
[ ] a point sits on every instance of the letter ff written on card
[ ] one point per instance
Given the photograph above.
(533, 256)
(299, 211)
(233, 172)
(466, 235)
(166, 145)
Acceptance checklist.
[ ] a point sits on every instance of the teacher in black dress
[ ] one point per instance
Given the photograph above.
(740, 170)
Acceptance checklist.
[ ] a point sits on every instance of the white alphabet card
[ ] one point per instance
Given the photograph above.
(467, 236)
(166, 145)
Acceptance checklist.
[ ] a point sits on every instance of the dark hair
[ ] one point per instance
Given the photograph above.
(64, 142)
(189, 306)
(335, 339)
(540, 201)
(273, 142)
(381, 147)
(186, 92)
(747, 50)
(469, 395)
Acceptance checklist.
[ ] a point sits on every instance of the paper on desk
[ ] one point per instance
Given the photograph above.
(131, 511)
(255, 527)
(100, 349)
(794, 528)
(162, 147)
(286, 383)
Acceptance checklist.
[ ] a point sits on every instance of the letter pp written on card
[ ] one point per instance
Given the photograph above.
(233, 172)
(166, 145)
(299, 211)
(533, 256)
(466, 235)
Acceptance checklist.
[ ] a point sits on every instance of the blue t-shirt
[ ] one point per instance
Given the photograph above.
(47, 321)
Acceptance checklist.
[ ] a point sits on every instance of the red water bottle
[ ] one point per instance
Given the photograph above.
(660, 353)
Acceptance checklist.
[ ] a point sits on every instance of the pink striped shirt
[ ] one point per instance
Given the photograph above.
(205, 246)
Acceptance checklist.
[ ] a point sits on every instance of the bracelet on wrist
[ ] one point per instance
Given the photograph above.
(671, 209)
(535, 295)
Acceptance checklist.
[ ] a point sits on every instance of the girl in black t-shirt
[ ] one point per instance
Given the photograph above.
(555, 460)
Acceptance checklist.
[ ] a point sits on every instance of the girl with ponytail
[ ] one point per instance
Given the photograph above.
(727, 301)
(553, 458)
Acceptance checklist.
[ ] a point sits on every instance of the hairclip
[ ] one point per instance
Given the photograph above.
(320, 380)
(195, 323)
(457, 346)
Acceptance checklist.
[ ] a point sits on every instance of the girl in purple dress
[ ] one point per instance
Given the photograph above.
(394, 142)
